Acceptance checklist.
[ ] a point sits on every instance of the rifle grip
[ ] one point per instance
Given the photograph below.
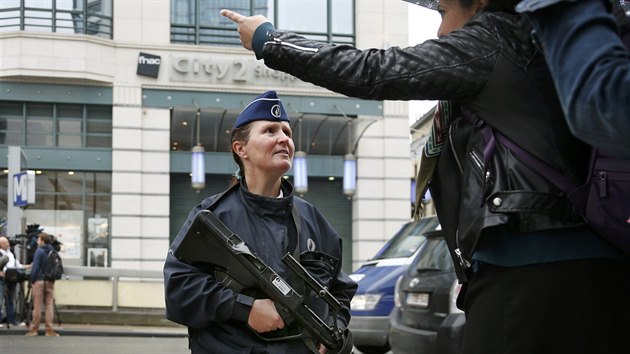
(284, 313)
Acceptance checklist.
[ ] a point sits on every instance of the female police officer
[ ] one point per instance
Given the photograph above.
(263, 211)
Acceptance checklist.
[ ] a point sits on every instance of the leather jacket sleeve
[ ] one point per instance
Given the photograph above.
(453, 67)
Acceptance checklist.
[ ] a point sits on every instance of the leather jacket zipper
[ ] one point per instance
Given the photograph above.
(476, 160)
(479, 163)
(450, 139)
(460, 256)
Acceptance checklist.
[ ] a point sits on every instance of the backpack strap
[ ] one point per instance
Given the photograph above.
(490, 144)
(491, 136)
(558, 179)
(46, 265)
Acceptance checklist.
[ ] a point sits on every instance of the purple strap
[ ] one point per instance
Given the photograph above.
(558, 179)
(488, 150)
(491, 137)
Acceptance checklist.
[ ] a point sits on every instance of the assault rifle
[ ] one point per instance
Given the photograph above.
(209, 242)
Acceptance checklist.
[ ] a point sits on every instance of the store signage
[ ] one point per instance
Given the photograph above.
(148, 65)
(227, 70)
(23, 188)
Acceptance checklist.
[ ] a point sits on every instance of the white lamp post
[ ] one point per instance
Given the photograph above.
(300, 173)
(198, 168)
(349, 174)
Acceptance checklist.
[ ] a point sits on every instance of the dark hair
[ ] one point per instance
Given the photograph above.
(240, 134)
(500, 5)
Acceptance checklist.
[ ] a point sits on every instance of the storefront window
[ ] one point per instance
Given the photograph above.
(74, 206)
(11, 127)
(61, 125)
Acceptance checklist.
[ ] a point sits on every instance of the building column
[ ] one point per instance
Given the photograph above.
(140, 182)
(381, 204)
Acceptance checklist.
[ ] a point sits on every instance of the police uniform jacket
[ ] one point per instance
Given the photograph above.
(216, 315)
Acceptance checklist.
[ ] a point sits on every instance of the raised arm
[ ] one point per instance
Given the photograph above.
(247, 25)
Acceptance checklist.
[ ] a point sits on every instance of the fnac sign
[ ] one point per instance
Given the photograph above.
(23, 188)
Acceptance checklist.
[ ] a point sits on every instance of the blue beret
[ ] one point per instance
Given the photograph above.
(264, 107)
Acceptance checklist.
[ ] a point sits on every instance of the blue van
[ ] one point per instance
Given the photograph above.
(377, 277)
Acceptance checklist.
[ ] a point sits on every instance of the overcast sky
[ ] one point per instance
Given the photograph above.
(423, 25)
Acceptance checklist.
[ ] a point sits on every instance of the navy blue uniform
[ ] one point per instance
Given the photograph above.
(216, 316)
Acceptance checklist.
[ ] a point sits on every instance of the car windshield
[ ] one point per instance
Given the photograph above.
(408, 239)
(433, 256)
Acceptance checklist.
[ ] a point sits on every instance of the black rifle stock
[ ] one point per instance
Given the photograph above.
(209, 241)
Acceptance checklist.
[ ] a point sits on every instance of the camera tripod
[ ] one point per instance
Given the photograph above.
(24, 305)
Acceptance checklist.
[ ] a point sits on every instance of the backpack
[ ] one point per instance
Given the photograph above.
(603, 200)
(53, 269)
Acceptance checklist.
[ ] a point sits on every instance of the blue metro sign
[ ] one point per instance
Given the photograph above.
(23, 188)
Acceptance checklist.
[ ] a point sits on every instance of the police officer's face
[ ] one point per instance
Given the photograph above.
(454, 15)
(269, 149)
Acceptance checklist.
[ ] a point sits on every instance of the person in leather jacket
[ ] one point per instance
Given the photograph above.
(524, 255)
(263, 211)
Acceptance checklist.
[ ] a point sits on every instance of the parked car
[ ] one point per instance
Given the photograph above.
(425, 318)
(374, 299)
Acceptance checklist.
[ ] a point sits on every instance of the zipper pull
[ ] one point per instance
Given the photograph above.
(602, 177)
(462, 261)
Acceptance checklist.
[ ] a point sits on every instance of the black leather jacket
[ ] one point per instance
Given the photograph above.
(490, 66)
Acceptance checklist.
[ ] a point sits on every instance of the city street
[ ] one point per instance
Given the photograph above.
(19, 344)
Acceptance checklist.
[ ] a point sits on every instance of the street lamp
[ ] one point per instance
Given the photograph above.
(349, 174)
(300, 172)
(349, 166)
(198, 169)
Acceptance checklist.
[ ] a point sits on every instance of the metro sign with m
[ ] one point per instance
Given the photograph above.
(24, 188)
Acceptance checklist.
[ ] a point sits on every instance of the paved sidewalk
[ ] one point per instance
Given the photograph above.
(74, 329)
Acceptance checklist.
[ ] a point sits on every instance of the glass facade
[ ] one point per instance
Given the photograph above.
(54, 124)
(199, 21)
(69, 203)
(93, 17)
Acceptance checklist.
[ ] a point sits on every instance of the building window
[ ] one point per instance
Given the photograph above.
(55, 124)
(75, 206)
(199, 21)
(93, 17)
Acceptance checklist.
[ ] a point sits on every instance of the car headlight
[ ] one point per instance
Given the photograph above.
(357, 277)
(397, 292)
(365, 302)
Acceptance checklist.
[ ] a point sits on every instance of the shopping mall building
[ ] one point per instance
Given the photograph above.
(105, 99)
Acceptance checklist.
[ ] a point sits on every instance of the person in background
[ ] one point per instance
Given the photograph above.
(4, 259)
(10, 287)
(43, 290)
(523, 253)
(587, 50)
(261, 209)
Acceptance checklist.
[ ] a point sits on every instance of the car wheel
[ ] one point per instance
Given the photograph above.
(373, 350)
